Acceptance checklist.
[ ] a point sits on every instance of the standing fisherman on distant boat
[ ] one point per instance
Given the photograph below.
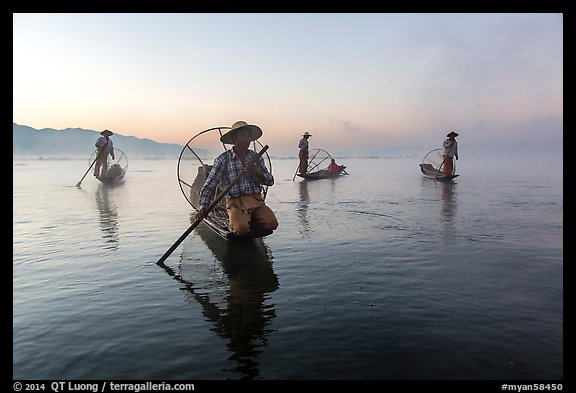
(104, 147)
(245, 204)
(303, 153)
(450, 152)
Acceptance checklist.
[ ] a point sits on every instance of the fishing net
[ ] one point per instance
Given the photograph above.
(432, 163)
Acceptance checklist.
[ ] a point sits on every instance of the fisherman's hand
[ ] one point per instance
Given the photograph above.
(201, 214)
(253, 168)
(456, 157)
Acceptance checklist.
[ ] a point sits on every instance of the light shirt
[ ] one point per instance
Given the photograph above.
(450, 147)
(101, 142)
(227, 166)
(303, 145)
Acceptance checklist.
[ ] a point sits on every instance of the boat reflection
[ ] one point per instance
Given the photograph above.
(233, 294)
(107, 217)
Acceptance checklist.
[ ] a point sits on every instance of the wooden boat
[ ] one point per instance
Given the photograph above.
(324, 174)
(431, 166)
(116, 168)
(318, 162)
(193, 170)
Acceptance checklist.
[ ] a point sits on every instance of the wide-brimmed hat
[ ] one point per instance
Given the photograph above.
(306, 134)
(255, 131)
(452, 133)
(106, 132)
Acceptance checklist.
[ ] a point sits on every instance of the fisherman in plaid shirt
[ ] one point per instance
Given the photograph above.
(245, 204)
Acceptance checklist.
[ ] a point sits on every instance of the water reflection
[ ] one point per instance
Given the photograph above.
(233, 295)
(108, 217)
(447, 213)
(302, 210)
(448, 199)
(445, 193)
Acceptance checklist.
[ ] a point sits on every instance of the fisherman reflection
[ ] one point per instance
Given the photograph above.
(448, 200)
(243, 316)
(302, 209)
(108, 217)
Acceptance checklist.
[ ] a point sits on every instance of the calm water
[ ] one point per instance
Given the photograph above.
(381, 274)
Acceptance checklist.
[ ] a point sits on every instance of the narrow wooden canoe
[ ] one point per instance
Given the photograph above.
(323, 174)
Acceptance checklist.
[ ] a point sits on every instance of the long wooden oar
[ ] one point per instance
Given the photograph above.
(209, 208)
(297, 169)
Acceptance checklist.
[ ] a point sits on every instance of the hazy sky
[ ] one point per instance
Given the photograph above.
(357, 82)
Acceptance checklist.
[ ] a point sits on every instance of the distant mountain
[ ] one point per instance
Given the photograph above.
(78, 142)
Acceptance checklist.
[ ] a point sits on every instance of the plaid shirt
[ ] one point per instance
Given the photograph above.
(227, 167)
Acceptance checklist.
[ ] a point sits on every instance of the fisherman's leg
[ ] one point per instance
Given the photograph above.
(97, 167)
(303, 161)
(448, 165)
(104, 165)
(264, 218)
(238, 218)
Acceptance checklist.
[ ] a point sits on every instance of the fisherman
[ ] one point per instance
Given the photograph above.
(303, 153)
(104, 146)
(450, 152)
(245, 204)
